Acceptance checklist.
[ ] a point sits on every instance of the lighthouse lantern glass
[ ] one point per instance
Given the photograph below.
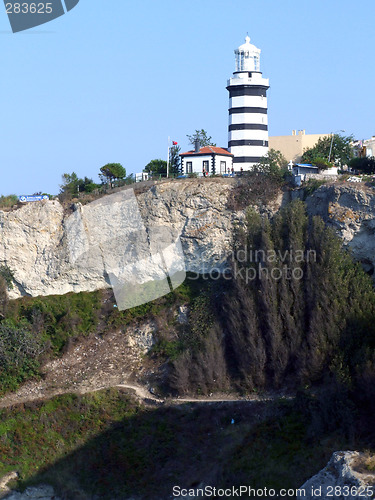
(247, 57)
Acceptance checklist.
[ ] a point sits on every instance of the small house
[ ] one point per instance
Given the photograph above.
(303, 171)
(208, 160)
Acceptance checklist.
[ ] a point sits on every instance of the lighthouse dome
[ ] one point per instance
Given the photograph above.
(247, 57)
(248, 46)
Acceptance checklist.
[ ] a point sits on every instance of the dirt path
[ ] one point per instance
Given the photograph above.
(88, 365)
(100, 362)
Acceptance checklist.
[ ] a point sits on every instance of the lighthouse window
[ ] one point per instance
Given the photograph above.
(189, 167)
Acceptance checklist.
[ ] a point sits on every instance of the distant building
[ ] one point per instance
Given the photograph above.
(304, 171)
(248, 124)
(369, 144)
(364, 147)
(293, 146)
(208, 160)
(141, 176)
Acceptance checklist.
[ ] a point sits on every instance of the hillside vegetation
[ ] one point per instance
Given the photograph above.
(105, 445)
(292, 313)
(297, 310)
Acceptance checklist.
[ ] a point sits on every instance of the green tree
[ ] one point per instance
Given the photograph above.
(273, 164)
(70, 184)
(174, 160)
(365, 165)
(312, 309)
(338, 145)
(86, 185)
(202, 136)
(111, 172)
(156, 167)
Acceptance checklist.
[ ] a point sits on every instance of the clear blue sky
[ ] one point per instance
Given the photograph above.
(112, 79)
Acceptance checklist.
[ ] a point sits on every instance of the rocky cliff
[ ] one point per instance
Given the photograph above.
(55, 252)
(348, 475)
(350, 210)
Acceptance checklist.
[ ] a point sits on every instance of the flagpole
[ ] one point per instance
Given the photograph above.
(169, 139)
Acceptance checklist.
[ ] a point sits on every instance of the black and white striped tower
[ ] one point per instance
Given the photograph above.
(248, 125)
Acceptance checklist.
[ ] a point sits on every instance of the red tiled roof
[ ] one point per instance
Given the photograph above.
(208, 150)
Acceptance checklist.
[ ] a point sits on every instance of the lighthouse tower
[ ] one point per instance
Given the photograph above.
(248, 125)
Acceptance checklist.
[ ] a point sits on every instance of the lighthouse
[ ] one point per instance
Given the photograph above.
(248, 124)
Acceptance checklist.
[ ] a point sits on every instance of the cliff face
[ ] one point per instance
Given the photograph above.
(351, 212)
(346, 476)
(55, 253)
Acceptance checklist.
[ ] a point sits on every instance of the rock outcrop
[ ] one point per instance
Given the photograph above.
(42, 492)
(48, 249)
(351, 212)
(52, 252)
(346, 477)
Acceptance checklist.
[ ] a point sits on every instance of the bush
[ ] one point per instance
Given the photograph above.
(254, 188)
(19, 353)
(311, 186)
(322, 163)
(8, 276)
(364, 165)
(8, 201)
(3, 297)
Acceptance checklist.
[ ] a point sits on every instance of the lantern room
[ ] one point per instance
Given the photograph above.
(247, 57)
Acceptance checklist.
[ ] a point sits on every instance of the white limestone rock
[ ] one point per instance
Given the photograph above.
(43, 492)
(118, 231)
(36, 240)
(344, 478)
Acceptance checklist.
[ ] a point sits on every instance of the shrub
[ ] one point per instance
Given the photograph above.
(19, 353)
(365, 165)
(311, 186)
(3, 297)
(8, 201)
(8, 276)
(322, 163)
(254, 188)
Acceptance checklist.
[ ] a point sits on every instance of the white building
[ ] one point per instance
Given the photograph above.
(370, 146)
(248, 124)
(208, 160)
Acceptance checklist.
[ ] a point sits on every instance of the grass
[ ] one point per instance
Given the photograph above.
(34, 435)
(106, 444)
(58, 318)
(76, 314)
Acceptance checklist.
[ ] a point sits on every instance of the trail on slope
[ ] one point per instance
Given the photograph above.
(95, 363)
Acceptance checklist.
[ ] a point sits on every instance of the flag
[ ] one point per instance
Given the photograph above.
(174, 143)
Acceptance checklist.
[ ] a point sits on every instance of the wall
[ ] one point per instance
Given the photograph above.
(293, 146)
